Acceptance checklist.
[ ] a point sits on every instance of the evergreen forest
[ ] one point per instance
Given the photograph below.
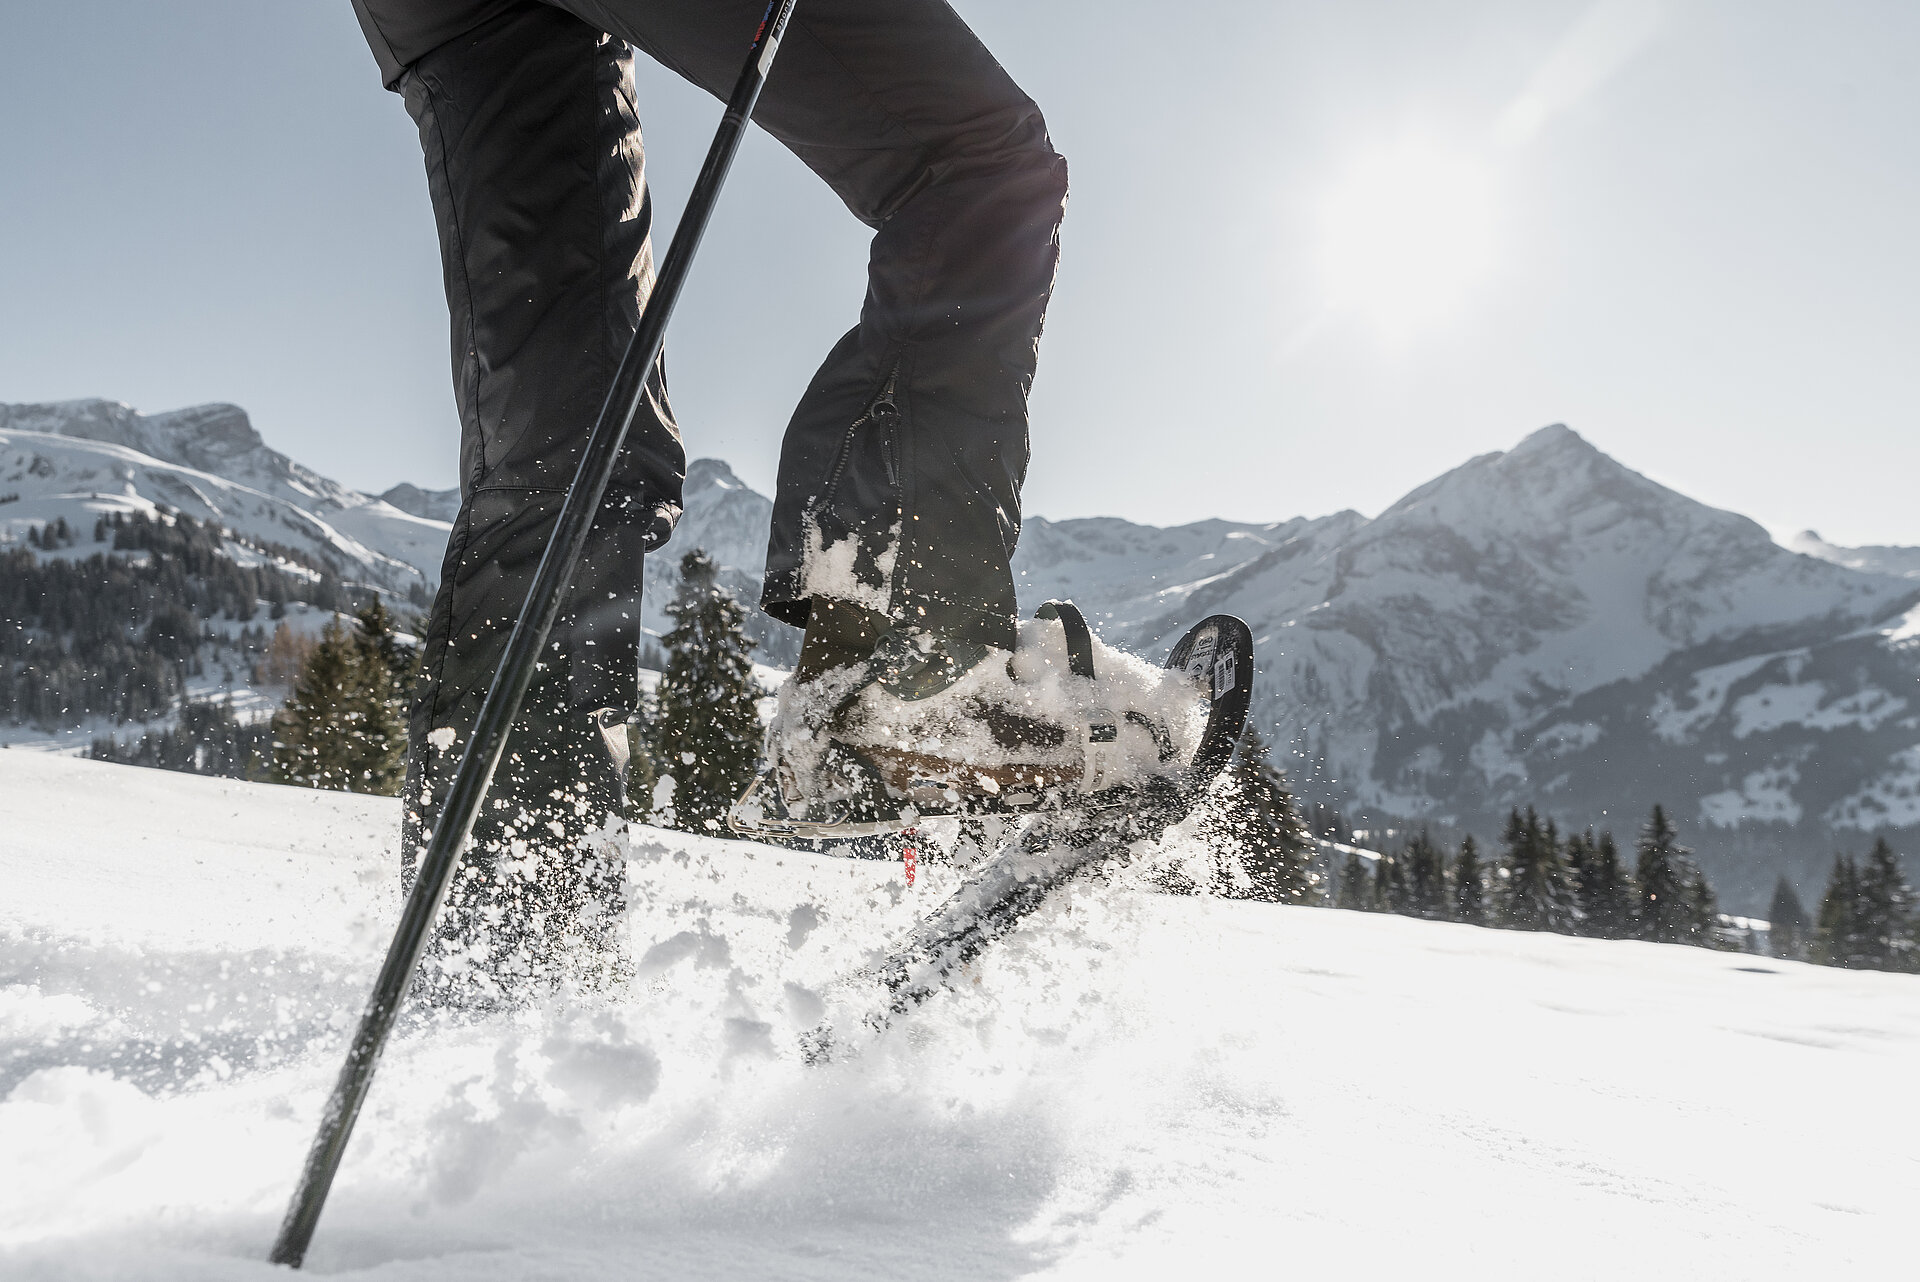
(113, 626)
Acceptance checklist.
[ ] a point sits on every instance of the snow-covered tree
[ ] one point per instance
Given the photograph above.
(1534, 891)
(706, 735)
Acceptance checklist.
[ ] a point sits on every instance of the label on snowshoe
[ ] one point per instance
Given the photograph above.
(1223, 673)
(1202, 654)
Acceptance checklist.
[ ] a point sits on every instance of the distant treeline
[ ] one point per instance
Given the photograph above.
(1537, 881)
(117, 635)
(207, 739)
(1583, 884)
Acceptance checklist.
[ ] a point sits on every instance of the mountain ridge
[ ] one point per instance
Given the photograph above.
(1541, 625)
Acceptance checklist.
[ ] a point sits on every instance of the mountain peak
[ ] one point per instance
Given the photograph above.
(217, 424)
(711, 473)
(1553, 438)
(433, 505)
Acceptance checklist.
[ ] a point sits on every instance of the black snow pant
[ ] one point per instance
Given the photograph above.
(910, 441)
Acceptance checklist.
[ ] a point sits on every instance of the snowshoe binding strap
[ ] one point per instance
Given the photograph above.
(1079, 638)
(1104, 761)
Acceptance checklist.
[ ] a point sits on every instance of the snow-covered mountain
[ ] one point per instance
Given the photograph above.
(1541, 626)
(84, 459)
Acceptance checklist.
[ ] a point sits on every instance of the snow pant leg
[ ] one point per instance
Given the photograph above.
(912, 437)
(534, 165)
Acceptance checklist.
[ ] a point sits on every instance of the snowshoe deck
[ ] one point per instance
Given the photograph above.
(1216, 655)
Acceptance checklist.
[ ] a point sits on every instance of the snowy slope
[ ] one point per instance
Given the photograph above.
(80, 458)
(1109, 1098)
(1901, 561)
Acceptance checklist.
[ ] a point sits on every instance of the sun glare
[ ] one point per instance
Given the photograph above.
(1406, 233)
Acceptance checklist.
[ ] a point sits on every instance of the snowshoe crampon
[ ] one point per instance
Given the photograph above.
(1126, 752)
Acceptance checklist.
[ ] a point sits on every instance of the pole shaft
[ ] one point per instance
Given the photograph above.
(515, 673)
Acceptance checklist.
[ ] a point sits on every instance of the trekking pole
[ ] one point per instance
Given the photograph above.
(515, 673)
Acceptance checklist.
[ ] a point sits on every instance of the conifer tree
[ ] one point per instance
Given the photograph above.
(1787, 924)
(1885, 911)
(1603, 888)
(1389, 883)
(379, 630)
(1676, 905)
(1469, 884)
(1838, 935)
(707, 728)
(1535, 892)
(1356, 885)
(1257, 821)
(1426, 880)
(1582, 856)
(343, 728)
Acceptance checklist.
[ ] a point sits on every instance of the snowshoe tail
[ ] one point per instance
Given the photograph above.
(1055, 849)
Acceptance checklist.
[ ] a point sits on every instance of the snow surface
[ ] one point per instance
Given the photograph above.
(1134, 1085)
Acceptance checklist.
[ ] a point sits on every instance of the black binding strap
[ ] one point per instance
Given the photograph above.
(1079, 640)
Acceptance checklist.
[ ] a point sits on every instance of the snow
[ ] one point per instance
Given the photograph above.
(1704, 700)
(1492, 758)
(1905, 629)
(1891, 799)
(831, 569)
(1764, 796)
(1134, 1085)
(1805, 703)
(1569, 736)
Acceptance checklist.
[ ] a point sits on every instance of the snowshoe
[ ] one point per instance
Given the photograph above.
(1065, 724)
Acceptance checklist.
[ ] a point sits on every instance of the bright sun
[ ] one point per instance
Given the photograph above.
(1406, 233)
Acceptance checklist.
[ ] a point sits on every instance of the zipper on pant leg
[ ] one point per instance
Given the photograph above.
(882, 411)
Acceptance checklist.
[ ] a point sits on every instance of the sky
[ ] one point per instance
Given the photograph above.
(1315, 253)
